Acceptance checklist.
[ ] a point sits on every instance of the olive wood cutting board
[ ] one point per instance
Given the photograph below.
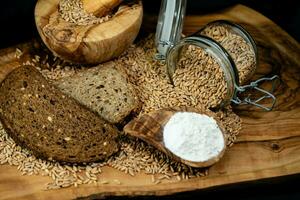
(267, 147)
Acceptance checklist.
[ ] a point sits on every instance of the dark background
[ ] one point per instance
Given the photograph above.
(17, 16)
(17, 25)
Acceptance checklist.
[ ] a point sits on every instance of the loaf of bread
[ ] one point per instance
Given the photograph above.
(105, 90)
(41, 118)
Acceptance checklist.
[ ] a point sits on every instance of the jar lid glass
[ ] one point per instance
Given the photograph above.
(169, 26)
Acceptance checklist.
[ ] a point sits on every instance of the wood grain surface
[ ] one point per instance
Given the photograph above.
(268, 145)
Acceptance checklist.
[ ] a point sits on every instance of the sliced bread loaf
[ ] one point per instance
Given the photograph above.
(105, 90)
(52, 125)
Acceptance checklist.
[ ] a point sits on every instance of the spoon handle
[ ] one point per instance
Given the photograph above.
(100, 8)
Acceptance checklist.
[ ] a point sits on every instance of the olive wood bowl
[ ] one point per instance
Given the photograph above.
(88, 44)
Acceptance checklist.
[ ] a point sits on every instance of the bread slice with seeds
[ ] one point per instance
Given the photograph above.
(52, 125)
(105, 90)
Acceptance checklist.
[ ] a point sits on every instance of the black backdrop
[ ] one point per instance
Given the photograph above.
(17, 18)
(17, 25)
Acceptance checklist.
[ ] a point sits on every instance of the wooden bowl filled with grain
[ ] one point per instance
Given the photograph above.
(88, 31)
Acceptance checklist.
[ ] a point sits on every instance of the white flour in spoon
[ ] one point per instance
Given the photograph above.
(192, 136)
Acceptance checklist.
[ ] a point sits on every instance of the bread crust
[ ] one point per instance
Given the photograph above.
(41, 118)
(104, 89)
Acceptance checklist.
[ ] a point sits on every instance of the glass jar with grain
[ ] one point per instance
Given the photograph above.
(224, 57)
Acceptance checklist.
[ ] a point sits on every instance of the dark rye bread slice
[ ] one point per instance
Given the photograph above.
(105, 89)
(40, 117)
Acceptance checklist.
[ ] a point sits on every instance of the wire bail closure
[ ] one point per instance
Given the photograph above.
(254, 85)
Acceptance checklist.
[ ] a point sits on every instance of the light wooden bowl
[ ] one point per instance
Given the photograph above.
(149, 128)
(90, 44)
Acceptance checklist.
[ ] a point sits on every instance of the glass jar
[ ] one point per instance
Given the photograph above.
(237, 42)
(216, 51)
(170, 48)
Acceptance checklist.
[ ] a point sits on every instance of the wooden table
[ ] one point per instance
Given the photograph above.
(267, 147)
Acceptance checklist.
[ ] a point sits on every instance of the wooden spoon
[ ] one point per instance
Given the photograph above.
(149, 128)
(88, 44)
(100, 8)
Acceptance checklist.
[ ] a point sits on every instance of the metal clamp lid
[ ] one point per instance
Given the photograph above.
(169, 26)
(255, 85)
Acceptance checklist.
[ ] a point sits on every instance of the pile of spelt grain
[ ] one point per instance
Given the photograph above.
(198, 79)
(241, 52)
(72, 11)
(155, 91)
